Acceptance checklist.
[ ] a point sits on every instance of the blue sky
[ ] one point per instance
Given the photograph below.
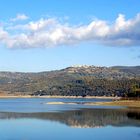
(40, 35)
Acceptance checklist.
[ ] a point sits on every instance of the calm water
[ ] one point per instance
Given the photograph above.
(33, 119)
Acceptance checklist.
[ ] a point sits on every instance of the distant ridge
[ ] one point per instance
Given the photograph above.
(74, 81)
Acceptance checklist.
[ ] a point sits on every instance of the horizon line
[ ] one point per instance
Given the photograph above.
(79, 65)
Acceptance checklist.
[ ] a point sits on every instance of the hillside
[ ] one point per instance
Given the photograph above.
(73, 81)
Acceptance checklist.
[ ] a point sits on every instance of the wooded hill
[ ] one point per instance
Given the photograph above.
(74, 81)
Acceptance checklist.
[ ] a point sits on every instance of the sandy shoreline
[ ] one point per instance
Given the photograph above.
(117, 101)
(125, 103)
(75, 97)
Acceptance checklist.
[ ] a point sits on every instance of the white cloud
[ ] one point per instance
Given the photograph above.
(50, 32)
(3, 35)
(20, 17)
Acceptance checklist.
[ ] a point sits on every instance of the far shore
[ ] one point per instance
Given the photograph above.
(48, 96)
(125, 103)
(116, 101)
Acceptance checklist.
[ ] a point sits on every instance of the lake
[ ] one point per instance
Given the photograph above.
(34, 119)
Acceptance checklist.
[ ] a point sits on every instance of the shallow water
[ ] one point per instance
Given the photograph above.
(40, 104)
(33, 119)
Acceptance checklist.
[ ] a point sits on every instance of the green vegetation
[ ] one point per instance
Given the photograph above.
(75, 81)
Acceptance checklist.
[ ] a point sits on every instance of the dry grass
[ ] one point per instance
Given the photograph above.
(127, 103)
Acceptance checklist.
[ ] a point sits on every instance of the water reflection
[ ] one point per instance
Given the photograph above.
(134, 115)
(84, 118)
